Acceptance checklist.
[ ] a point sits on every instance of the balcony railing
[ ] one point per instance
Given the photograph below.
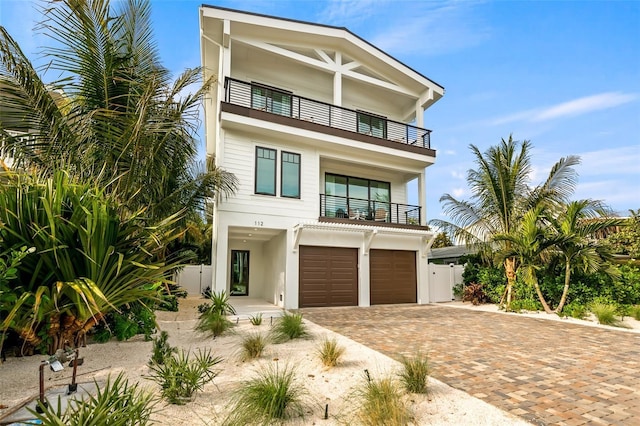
(281, 102)
(358, 209)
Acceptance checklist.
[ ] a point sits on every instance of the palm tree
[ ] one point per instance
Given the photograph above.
(577, 225)
(88, 258)
(530, 245)
(115, 117)
(501, 197)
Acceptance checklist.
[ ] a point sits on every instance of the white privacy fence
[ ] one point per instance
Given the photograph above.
(194, 278)
(442, 278)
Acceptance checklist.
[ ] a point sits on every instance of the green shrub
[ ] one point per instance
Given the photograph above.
(253, 345)
(131, 319)
(180, 376)
(525, 305)
(575, 310)
(381, 403)
(415, 372)
(275, 394)
(493, 283)
(256, 320)
(161, 349)
(626, 288)
(116, 404)
(329, 352)
(606, 313)
(213, 323)
(458, 290)
(634, 312)
(168, 297)
(288, 327)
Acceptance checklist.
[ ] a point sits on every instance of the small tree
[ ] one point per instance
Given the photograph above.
(577, 225)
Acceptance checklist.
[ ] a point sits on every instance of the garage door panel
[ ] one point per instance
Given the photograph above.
(393, 277)
(328, 276)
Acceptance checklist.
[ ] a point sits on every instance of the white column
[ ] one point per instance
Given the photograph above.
(422, 197)
(364, 278)
(419, 114)
(337, 81)
(292, 276)
(220, 257)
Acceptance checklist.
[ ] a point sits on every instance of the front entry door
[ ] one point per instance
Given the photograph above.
(239, 272)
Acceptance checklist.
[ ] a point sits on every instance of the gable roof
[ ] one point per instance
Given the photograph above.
(346, 34)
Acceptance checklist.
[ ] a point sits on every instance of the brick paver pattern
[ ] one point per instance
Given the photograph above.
(546, 372)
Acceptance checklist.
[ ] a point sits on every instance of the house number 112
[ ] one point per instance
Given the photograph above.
(258, 223)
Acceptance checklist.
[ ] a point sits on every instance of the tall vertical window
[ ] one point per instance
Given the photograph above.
(265, 171)
(372, 125)
(290, 175)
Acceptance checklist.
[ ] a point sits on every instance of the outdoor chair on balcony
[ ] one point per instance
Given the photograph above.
(381, 215)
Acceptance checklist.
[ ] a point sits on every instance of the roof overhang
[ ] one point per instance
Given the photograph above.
(330, 37)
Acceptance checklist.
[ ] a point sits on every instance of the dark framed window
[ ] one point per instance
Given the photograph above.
(271, 100)
(356, 197)
(290, 175)
(265, 171)
(239, 285)
(373, 125)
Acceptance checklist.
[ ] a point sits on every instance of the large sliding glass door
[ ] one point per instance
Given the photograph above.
(358, 198)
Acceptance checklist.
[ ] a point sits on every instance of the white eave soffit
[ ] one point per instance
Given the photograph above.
(324, 62)
(333, 36)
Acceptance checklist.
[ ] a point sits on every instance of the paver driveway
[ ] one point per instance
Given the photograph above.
(547, 372)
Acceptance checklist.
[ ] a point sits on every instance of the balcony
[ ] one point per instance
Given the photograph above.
(321, 116)
(368, 211)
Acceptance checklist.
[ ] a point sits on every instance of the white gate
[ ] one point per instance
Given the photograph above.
(194, 278)
(442, 278)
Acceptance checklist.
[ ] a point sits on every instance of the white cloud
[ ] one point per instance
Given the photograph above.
(458, 192)
(344, 12)
(416, 27)
(617, 161)
(611, 175)
(449, 152)
(457, 174)
(585, 105)
(573, 108)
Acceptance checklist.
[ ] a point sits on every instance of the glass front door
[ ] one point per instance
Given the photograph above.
(239, 273)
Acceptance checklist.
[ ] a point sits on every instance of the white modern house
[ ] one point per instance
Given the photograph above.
(324, 132)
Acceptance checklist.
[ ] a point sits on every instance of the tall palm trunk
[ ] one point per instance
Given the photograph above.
(544, 303)
(510, 269)
(565, 290)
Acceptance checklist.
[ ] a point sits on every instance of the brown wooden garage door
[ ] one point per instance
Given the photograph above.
(392, 276)
(328, 276)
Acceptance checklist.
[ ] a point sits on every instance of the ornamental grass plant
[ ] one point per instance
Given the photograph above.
(252, 346)
(274, 395)
(415, 372)
(381, 402)
(330, 352)
(288, 327)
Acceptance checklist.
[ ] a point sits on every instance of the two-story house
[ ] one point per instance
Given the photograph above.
(325, 134)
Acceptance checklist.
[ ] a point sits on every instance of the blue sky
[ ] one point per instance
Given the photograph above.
(565, 75)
